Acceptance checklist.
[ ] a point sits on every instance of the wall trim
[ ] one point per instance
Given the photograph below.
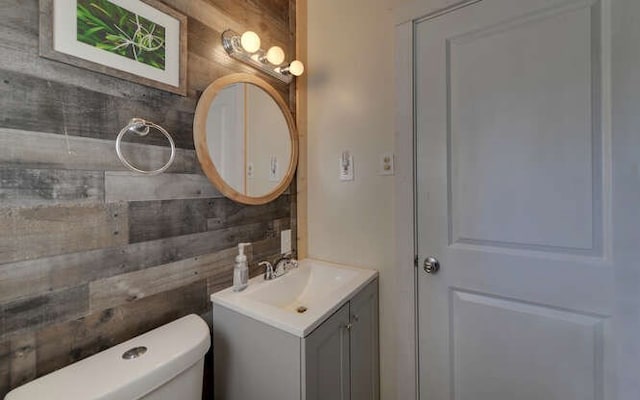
(406, 293)
(301, 121)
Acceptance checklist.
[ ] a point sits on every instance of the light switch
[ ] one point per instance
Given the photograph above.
(273, 169)
(386, 164)
(285, 241)
(346, 166)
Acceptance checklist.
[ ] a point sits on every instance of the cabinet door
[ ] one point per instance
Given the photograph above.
(364, 344)
(326, 359)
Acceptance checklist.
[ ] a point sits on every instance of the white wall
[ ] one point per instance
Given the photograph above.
(350, 107)
(351, 101)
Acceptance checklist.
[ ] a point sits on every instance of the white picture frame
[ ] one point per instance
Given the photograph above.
(59, 40)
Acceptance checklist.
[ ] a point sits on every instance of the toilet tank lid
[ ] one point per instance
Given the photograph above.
(170, 350)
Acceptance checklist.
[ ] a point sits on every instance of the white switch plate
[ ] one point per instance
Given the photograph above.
(346, 166)
(285, 241)
(386, 164)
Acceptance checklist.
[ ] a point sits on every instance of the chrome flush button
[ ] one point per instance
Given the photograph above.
(134, 353)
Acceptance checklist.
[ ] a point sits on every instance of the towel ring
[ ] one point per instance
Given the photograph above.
(141, 127)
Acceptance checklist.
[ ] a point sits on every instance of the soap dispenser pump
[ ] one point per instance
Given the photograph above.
(241, 269)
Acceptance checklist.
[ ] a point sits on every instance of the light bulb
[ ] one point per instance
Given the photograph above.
(250, 41)
(275, 55)
(296, 68)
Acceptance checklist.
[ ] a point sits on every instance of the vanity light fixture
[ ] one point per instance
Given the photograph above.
(246, 48)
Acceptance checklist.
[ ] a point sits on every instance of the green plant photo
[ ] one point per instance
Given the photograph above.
(107, 26)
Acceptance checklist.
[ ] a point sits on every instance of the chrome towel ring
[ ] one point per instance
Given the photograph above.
(142, 127)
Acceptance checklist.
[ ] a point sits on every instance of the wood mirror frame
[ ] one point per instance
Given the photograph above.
(202, 149)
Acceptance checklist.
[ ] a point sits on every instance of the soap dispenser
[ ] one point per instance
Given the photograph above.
(241, 270)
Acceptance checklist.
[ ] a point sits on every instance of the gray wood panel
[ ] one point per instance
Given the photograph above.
(32, 103)
(23, 364)
(224, 212)
(159, 219)
(29, 278)
(46, 231)
(5, 366)
(63, 198)
(46, 150)
(30, 187)
(43, 309)
(129, 186)
(130, 287)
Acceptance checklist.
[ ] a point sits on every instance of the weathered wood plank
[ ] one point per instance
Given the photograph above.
(43, 310)
(29, 278)
(36, 232)
(152, 220)
(17, 361)
(263, 15)
(30, 187)
(35, 104)
(224, 212)
(128, 186)
(23, 358)
(159, 219)
(220, 15)
(47, 150)
(5, 367)
(133, 286)
(66, 343)
(40, 95)
(216, 268)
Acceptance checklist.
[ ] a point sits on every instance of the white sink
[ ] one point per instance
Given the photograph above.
(300, 300)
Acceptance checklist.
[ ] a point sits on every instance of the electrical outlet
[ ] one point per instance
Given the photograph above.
(386, 164)
(285, 241)
(250, 170)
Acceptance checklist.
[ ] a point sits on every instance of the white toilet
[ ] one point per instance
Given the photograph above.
(163, 364)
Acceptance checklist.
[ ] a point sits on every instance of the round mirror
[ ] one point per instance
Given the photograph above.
(245, 139)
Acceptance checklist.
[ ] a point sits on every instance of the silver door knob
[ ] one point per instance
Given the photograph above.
(431, 265)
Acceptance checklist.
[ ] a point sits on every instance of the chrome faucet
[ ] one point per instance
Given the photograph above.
(280, 267)
(268, 272)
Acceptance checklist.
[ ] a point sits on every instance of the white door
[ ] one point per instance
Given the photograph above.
(514, 200)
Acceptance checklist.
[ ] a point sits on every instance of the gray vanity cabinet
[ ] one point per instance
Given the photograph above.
(326, 354)
(364, 348)
(337, 361)
(341, 356)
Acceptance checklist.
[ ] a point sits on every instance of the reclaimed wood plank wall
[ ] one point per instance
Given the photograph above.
(90, 254)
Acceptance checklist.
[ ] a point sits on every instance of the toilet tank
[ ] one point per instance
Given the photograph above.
(163, 364)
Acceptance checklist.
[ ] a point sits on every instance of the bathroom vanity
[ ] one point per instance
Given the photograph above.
(310, 334)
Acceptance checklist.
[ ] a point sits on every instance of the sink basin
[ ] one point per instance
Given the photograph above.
(300, 300)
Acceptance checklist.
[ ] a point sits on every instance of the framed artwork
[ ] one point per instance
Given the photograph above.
(143, 41)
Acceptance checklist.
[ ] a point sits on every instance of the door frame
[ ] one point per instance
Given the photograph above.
(406, 290)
